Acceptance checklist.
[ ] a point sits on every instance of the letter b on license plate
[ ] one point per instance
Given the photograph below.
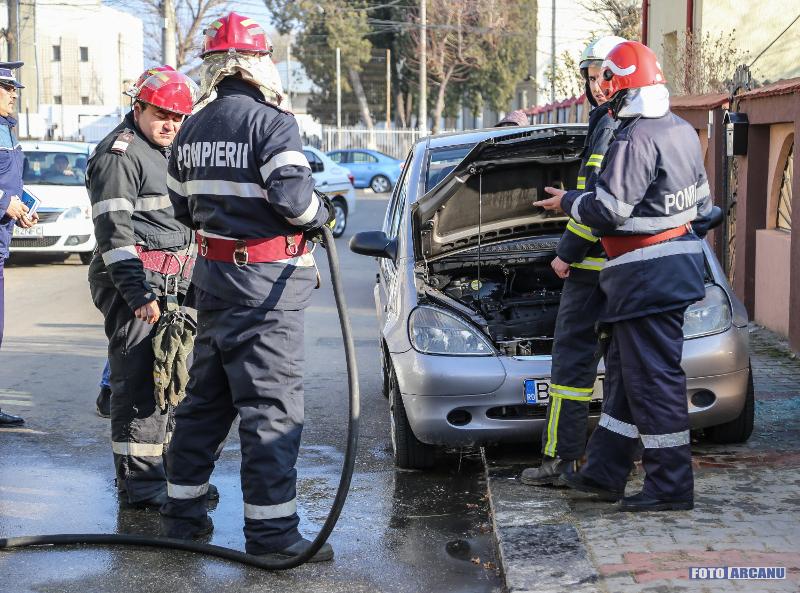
(537, 391)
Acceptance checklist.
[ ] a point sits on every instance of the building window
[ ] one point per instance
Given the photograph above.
(84, 100)
(784, 222)
(57, 99)
(84, 54)
(56, 53)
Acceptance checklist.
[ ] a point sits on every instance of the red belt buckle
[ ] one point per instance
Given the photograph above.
(240, 256)
(291, 245)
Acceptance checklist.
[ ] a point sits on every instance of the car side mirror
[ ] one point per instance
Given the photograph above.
(716, 217)
(375, 244)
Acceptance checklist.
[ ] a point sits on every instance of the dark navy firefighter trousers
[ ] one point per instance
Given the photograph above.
(576, 353)
(139, 429)
(644, 397)
(248, 363)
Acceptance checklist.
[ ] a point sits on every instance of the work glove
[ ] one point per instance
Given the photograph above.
(315, 235)
(172, 345)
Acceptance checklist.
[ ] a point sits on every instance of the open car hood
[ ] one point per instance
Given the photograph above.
(487, 197)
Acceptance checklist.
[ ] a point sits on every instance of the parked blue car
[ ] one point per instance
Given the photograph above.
(370, 168)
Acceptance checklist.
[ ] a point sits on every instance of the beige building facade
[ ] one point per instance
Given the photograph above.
(79, 56)
(754, 25)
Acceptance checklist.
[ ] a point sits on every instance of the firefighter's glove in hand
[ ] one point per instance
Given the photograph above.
(172, 344)
(316, 236)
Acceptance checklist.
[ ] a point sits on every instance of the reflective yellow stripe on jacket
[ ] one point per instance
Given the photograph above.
(595, 160)
(583, 231)
(590, 263)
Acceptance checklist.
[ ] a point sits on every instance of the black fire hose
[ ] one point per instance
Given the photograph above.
(226, 553)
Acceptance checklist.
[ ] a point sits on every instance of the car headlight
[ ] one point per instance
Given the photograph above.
(712, 315)
(432, 331)
(76, 213)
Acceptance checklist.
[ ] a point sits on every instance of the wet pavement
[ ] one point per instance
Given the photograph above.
(399, 531)
(747, 503)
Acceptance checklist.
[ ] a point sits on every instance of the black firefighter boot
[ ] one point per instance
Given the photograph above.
(548, 472)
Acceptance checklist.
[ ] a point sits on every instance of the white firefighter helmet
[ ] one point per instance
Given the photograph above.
(598, 49)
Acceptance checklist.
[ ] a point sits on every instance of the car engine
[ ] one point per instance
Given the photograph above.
(517, 299)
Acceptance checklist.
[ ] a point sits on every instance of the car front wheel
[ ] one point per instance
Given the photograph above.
(409, 452)
(340, 214)
(380, 184)
(740, 428)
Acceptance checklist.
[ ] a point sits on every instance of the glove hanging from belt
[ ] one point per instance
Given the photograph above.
(172, 345)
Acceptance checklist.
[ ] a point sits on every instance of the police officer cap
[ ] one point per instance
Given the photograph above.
(7, 77)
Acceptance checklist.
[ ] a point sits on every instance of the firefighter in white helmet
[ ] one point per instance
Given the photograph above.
(580, 258)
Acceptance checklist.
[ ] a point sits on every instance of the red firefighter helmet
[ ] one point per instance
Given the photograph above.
(236, 32)
(132, 90)
(630, 65)
(168, 90)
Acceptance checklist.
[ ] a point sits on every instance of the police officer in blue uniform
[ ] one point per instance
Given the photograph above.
(580, 257)
(650, 206)
(12, 210)
(239, 177)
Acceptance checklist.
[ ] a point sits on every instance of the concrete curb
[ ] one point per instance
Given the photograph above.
(539, 548)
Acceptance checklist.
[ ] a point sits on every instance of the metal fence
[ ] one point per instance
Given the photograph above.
(395, 143)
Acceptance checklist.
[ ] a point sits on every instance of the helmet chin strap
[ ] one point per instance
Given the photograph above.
(616, 103)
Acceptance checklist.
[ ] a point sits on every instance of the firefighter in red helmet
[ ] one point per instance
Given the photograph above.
(655, 270)
(238, 176)
(140, 250)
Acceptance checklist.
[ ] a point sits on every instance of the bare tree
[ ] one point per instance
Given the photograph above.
(460, 38)
(191, 17)
(702, 64)
(623, 17)
(567, 78)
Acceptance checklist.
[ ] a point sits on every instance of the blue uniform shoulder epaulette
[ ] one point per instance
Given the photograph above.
(122, 141)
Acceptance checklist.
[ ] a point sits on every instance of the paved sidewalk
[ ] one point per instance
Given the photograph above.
(747, 511)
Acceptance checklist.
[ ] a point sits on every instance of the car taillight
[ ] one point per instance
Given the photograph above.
(352, 179)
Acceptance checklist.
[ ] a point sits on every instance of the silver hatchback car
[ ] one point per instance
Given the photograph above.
(466, 299)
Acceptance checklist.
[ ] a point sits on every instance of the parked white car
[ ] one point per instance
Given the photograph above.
(334, 181)
(54, 172)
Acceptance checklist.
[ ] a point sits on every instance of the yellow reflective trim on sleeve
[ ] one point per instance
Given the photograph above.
(585, 266)
(247, 22)
(584, 232)
(581, 183)
(596, 156)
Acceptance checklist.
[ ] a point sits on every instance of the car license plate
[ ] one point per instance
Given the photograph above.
(34, 231)
(537, 391)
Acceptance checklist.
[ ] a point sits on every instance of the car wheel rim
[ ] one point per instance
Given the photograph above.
(341, 219)
(380, 185)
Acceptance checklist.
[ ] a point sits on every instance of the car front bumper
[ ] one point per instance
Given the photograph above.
(57, 237)
(461, 401)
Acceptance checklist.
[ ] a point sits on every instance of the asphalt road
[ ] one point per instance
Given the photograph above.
(399, 532)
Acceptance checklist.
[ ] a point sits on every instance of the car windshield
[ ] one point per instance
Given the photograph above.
(441, 161)
(54, 168)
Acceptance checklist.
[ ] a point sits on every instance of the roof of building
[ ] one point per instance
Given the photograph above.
(709, 101)
(782, 87)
